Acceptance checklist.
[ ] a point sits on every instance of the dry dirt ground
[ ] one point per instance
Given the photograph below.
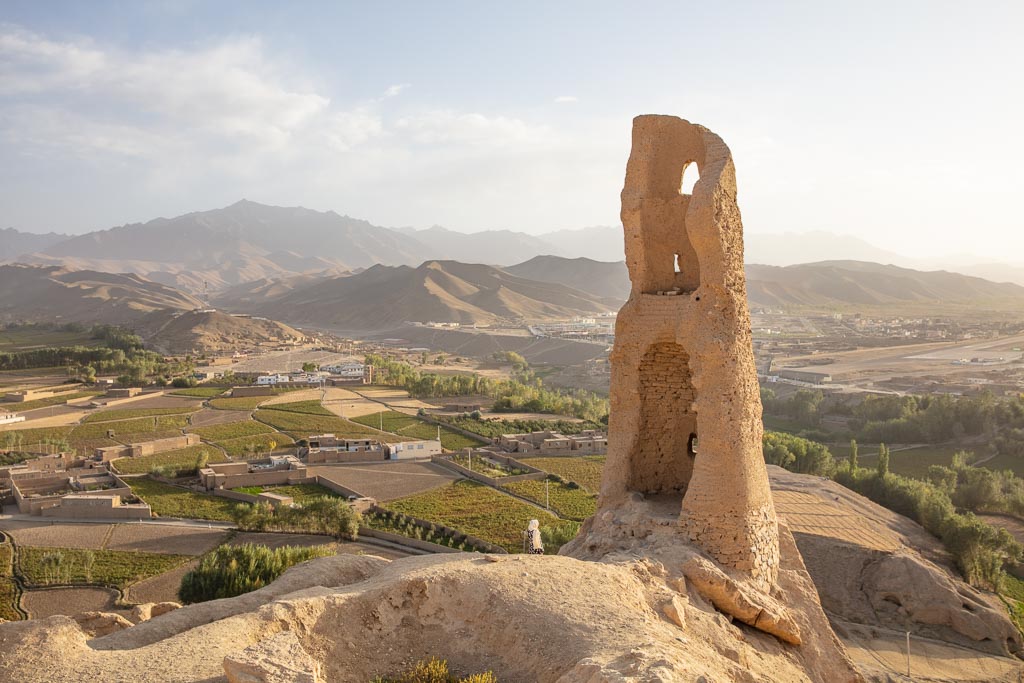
(393, 398)
(348, 404)
(387, 481)
(150, 538)
(293, 396)
(45, 603)
(161, 588)
(879, 575)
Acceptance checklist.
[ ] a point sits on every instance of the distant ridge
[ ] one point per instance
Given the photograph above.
(604, 279)
(383, 297)
(834, 283)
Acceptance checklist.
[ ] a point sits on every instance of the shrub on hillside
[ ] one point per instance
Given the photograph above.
(233, 570)
(435, 670)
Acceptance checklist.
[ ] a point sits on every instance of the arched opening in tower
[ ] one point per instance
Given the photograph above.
(666, 444)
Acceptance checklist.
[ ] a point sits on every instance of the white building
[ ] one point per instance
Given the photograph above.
(10, 418)
(347, 370)
(408, 450)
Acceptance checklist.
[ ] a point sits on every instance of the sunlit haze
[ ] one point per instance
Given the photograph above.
(895, 122)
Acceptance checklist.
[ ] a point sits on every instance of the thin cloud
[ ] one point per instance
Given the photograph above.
(566, 99)
(395, 90)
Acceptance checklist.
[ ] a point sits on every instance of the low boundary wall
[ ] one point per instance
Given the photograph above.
(533, 475)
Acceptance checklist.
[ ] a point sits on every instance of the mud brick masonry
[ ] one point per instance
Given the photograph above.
(685, 405)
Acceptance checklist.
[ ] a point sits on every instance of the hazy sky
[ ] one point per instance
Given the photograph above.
(897, 121)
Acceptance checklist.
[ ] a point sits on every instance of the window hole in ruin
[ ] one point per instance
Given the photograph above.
(691, 174)
(678, 267)
(691, 445)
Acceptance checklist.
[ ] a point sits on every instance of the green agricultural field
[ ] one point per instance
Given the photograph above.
(300, 492)
(8, 599)
(232, 430)
(301, 425)
(412, 427)
(240, 403)
(567, 500)
(133, 413)
(199, 392)
(29, 337)
(8, 589)
(27, 438)
(913, 462)
(172, 501)
(585, 470)
(477, 510)
(181, 460)
(132, 431)
(59, 399)
(306, 407)
(1005, 462)
(255, 446)
(495, 427)
(47, 566)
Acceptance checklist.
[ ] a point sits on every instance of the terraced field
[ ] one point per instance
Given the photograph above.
(254, 446)
(46, 566)
(412, 427)
(132, 413)
(300, 492)
(477, 510)
(199, 392)
(585, 470)
(568, 501)
(240, 403)
(59, 399)
(181, 460)
(301, 425)
(232, 430)
(171, 501)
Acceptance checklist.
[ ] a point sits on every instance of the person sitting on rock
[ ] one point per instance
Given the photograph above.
(532, 543)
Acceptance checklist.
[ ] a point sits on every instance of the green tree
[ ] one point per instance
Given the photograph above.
(853, 455)
(309, 367)
(883, 460)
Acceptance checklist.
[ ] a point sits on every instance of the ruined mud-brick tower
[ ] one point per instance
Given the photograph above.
(685, 405)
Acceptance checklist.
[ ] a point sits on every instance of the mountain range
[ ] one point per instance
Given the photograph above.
(210, 251)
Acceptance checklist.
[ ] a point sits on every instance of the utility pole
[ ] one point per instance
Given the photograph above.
(908, 654)
(547, 494)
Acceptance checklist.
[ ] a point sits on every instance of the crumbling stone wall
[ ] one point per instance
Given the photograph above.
(663, 453)
(683, 361)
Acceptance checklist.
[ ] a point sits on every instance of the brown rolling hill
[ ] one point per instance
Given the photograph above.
(50, 293)
(844, 283)
(208, 331)
(384, 297)
(603, 278)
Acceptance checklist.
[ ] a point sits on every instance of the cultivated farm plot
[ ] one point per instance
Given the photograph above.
(172, 501)
(110, 567)
(477, 510)
(300, 492)
(301, 395)
(278, 540)
(132, 431)
(69, 601)
(48, 535)
(912, 462)
(346, 403)
(208, 417)
(387, 481)
(131, 413)
(181, 459)
(301, 425)
(160, 588)
(199, 392)
(232, 430)
(8, 590)
(34, 436)
(254, 446)
(173, 540)
(412, 427)
(585, 470)
(572, 503)
(308, 407)
(240, 403)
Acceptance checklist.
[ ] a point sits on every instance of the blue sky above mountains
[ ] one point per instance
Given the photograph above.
(897, 122)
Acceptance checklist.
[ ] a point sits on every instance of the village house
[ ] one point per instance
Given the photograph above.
(587, 442)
